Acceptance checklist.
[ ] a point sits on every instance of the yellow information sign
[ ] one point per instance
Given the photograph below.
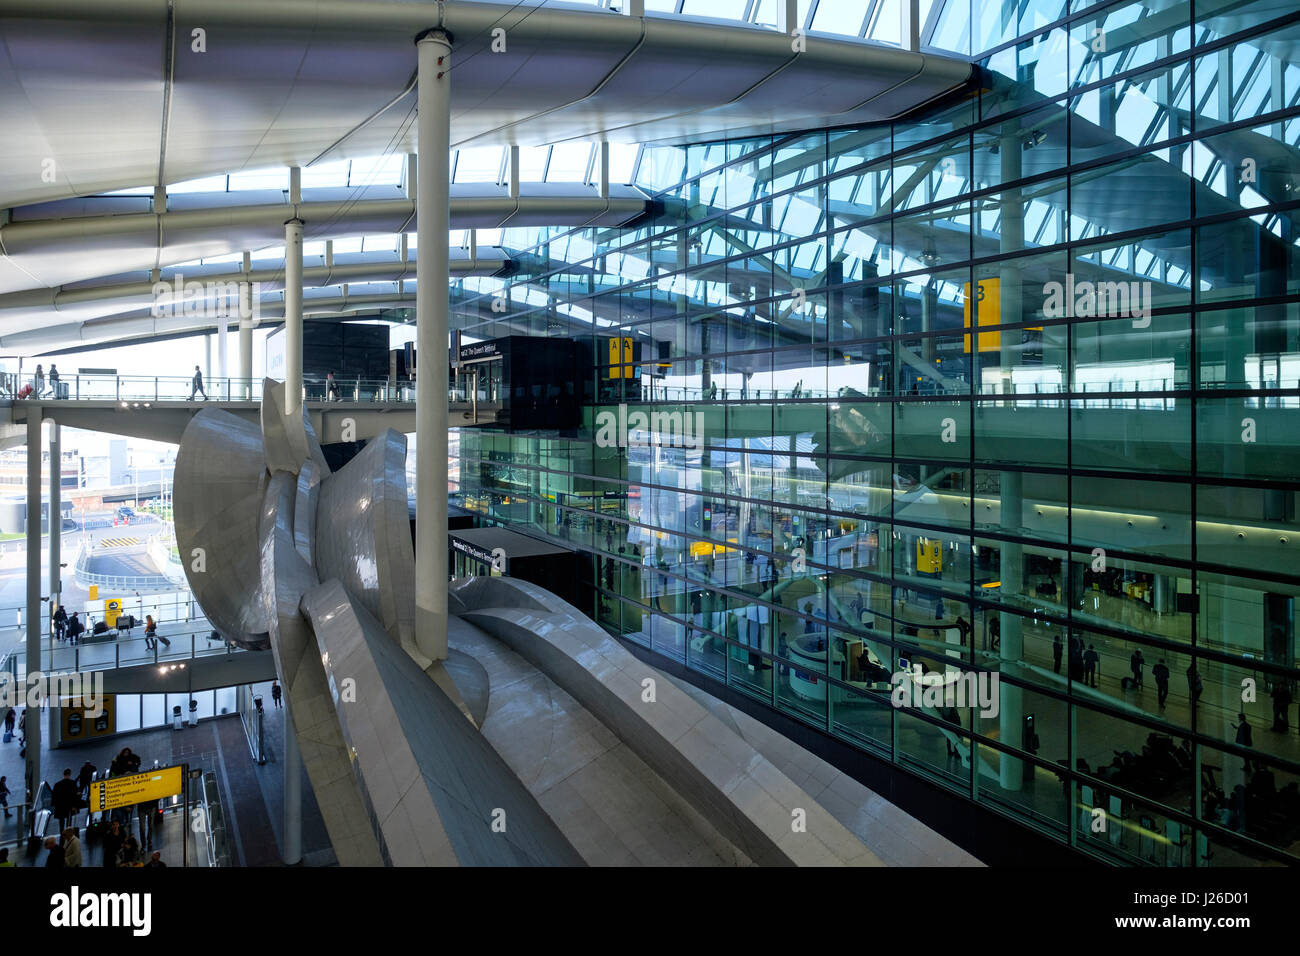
(127, 791)
(929, 556)
(987, 303)
(621, 361)
(112, 611)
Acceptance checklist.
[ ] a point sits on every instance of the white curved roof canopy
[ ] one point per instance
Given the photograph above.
(97, 97)
(115, 94)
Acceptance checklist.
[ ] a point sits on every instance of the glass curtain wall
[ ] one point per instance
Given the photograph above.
(1009, 390)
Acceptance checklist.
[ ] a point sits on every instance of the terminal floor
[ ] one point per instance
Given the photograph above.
(252, 796)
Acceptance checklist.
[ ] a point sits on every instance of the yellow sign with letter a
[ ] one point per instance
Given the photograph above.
(621, 362)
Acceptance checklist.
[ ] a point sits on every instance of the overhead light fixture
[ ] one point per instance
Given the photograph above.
(1036, 138)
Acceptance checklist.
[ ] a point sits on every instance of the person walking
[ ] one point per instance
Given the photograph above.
(11, 718)
(84, 778)
(129, 852)
(964, 629)
(75, 629)
(1281, 707)
(54, 853)
(112, 842)
(60, 623)
(1245, 738)
(1090, 660)
(145, 813)
(54, 381)
(151, 633)
(1194, 683)
(1161, 674)
(4, 797)
(1135, 664)
(38, 382)
(1057, 649)
(331, 388)
(276, 693)
(196, 385)
(64, 797)
(71, 848)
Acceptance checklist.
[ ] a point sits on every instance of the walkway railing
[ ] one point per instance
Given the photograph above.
(146, 389)
(177, 607)
(185, 646)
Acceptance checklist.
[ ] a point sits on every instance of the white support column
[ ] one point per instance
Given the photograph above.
(292, 849)
(246, 340)
(56, 518)
(411, 175)
(207, 361)
(909, 23)
(293, 316)
(602, 162)
(787, 16)
(514, 172)
(433, 223)
(632, 8)
(35, 620)
(223, 340)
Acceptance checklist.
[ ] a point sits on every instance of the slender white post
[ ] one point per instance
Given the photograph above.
(433, 223)
(292, 849)
(293, 317)
(35, 621)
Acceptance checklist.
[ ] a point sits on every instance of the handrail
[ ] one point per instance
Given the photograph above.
(147, 390)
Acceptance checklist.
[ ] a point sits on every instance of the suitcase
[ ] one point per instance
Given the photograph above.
(100, 627)
(9, 736)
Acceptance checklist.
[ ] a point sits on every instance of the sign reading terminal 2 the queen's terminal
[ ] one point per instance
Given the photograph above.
(136, 788)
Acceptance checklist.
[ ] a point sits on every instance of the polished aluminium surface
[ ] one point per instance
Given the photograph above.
(363, 536)
(220, 481)
(438, 794)
(289, 439)
(737, 789)
(286, 521)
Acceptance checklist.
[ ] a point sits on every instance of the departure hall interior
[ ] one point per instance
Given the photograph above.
(906, 389)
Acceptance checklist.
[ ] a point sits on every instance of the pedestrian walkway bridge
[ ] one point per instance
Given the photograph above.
(159, 407)
(192, 661)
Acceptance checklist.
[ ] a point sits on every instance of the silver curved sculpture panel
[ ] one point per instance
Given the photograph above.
(432, 783)
(288, 442)
(304, 512)
(363, 536)
(735, 788)
(287, 576)
(220, 482)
